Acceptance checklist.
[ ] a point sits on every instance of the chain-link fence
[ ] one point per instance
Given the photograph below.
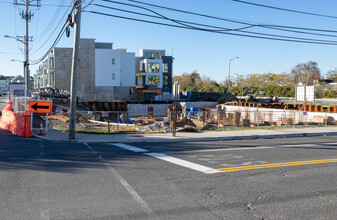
(19, 104)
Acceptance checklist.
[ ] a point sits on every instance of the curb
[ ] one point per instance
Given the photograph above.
(219, 138)
(195, 139)
(41, 137)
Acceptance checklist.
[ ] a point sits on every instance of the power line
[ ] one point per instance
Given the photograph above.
(52, 31)
(161, 16)
(51, 5)
(286, 9)
(58, 38)
(51, 22)
(228, 20)
(86, 5)
(219, 28)
(226, 33)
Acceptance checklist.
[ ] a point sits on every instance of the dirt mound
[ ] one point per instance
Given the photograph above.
(227, 97)
(219, 97)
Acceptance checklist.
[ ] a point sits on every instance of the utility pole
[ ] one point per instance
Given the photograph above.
(175, 108)
(74, 69)
(27, 15)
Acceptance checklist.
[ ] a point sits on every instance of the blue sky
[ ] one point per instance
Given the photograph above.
(208, 53)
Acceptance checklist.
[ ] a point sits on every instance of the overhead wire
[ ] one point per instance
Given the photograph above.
(286, 9)
(250, 25)
(58, 38)
(87, 5)
(52, 21)
(226, 29)
(253, 24)
(147, 9)
(226, 33)
(219, 28)
(66, 12)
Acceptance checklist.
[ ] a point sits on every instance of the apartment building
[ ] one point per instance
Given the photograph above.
(104, 72)
(153, 74)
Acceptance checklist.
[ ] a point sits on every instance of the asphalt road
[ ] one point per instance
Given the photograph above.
(291, 178)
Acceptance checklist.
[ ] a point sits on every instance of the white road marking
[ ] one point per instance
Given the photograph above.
(182, 163)
(219, 149)
(126, 185)
(170, 159)
(90, 148)
(238, 148)
(131, 148)
(247, 163)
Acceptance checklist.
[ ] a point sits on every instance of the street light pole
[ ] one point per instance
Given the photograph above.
(229, 71)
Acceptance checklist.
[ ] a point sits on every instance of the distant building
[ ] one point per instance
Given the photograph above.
(4, 83)
(104, 72)
(153, 74)
(18, 79)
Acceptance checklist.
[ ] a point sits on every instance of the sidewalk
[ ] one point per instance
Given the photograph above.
(55, 135)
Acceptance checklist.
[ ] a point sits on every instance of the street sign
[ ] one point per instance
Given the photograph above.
(105, 114)
(58, 110)
(39, 107)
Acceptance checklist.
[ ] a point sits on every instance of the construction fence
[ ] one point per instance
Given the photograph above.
(162, 121)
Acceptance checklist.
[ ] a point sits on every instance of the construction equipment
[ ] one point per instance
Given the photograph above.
(51, 93)
(273, 99)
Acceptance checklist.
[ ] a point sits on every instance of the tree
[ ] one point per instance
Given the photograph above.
(208, 85)
(306, 73)
(332, 75)
(189, 81)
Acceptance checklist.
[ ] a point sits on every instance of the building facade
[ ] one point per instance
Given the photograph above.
(153, 74)
(4, 83)
(104, 72)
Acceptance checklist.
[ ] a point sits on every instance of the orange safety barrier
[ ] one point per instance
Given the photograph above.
(14, 122)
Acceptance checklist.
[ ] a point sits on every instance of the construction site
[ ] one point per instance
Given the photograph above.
(213, 111)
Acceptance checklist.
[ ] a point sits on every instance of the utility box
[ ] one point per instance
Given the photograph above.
(16, 89)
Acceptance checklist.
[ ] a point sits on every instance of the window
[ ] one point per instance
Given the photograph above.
(51, 63)
(113, 76)
(51, 78)
(165, 67)
(165, 80)
(151, 55)
(113, 61)
(154, 80)
(153, 67)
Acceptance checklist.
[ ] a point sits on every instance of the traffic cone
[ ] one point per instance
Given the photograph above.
(41, 129)
(27, 110)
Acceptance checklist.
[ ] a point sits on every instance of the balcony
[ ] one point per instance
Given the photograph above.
(141, 86)
(141, 74)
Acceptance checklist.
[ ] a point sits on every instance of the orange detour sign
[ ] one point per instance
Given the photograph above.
(39, 107)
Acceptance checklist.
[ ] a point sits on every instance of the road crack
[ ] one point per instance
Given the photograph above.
(250, 208)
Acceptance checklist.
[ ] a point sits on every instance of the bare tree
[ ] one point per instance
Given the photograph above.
(332, 75)
(306, 73)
